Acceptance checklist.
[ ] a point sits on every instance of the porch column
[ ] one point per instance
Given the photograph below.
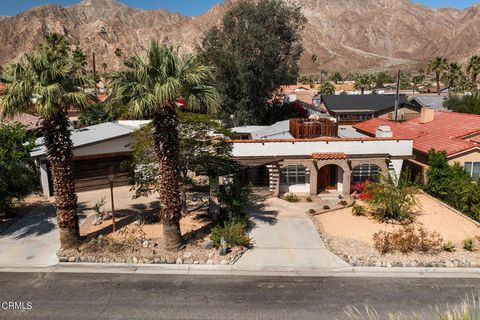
(313, 180)
(347, 182)
(275, 176)
(44, 179)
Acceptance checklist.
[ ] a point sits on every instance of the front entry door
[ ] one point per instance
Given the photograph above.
(327, 178)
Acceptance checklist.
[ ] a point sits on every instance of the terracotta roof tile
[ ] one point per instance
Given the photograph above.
(329, 156)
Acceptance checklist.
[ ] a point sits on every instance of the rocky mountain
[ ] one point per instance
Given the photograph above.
(346, 35)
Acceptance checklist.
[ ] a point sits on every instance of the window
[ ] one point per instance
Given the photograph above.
(473, 169)
(365, 172)
(293, 174)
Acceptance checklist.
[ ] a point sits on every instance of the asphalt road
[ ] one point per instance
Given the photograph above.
(125, 296)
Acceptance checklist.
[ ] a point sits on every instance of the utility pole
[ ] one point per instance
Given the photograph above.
(397, 98)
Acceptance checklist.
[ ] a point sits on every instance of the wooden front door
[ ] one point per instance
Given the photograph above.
(327, 178)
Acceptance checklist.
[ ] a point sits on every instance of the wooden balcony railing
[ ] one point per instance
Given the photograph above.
(312, 128)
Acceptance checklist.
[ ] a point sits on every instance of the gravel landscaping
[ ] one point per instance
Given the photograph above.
(351, 237)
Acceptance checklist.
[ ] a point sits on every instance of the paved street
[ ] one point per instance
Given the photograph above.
(102, 296)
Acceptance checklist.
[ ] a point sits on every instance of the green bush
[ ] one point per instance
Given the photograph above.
(358, 210)
(470, 244)
(233, 231)
(291, 198)
(235, 196)
(17, 172)
(448, 246)
(343, 203)
(326, 207)
(309, 199)
(392, 200)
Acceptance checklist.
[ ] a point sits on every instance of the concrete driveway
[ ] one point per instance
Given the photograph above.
(284, 236)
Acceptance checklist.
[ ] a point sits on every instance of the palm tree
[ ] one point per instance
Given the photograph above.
(327, 88)
(416, 80)
(336, 77)
(473, 68)
(154, 86)
(362, 82)
(50, 81)
(454, 76)
(438, 66)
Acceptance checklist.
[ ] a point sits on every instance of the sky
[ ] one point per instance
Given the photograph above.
(186, 7)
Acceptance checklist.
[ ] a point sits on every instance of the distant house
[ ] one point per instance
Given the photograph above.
(96, 149)
(352, 109)
(428, 101)
(456, 133)
(30, 122)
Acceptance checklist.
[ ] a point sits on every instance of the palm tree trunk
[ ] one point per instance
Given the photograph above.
(59, 154)
(166, 143)
(438, 83)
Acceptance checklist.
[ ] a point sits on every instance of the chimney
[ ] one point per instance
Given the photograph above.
(384, 131)
(427, 115)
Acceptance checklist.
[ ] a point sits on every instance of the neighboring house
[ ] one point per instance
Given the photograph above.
(313, 159)
(96, 149)
(352, 109)
(308, 97)
(434, 102)
(456, 133)
(30, 122)
(347, 87)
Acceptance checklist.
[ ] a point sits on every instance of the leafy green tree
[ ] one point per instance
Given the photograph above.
(453, 76)
(438, 66)
(416, 80)
(405, 83)
(101, 112)
(255, 50)
(363, 82)
(336, 77)
(50, 80)
(18, 172)
(381, 78)
(438, 174)
(154, 86)
(327, 88)
(465, 104)
(473, 69)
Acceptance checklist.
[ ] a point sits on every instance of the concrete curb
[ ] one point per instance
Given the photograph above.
(232, 270)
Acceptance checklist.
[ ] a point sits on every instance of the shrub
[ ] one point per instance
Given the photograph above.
(326, 207)
(361, 191)
(407, 240)
(291, 198)
(235, 196)
(233, 231)
(392, 200)
(358, 210)
(311, 211)
(448, 246)
(469, 244)
(309, 199)
(343, 203)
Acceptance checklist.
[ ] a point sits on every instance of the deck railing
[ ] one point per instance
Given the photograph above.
(313, 128)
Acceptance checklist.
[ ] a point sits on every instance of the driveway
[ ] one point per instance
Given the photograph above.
(284, 236)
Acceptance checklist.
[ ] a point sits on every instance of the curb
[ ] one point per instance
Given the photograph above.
(232, 270)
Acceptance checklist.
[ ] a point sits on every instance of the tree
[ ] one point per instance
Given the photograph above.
(18, 172)
(453, 76)
(327, 88)
(100, 112)
(154, 86)
(438, 174)
(416, 80)
(473, 68)
(336, 77)
(465, 104)
(255, 50)
(118, 52)
(362, 82)
(53, 79)
(438, 66)
(381, 78)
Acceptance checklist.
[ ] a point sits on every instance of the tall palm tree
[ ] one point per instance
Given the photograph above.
(327, 88)
(362, 82)
(453, 76)
(50, 81)
(438, 66)
(154, 86)
(416, 80)
(473, 68)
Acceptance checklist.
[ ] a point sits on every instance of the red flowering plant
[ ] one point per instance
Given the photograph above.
(360, 190)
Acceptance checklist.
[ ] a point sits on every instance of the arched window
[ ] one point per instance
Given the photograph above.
(364, 172)
(293, 174)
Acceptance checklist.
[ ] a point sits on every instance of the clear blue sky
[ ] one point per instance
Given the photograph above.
(187, 7)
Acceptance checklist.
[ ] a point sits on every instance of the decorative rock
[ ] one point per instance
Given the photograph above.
(211, 255)
(134, 260)
(179, 261)
(129, 260)
(203, 261)
(136, 222)
(389, 265)
(207, 244)
(157, 260)
(62, 259)
(223, 262)
(189, 261)
(378, 264)
(187, 255)
(210, 261)
(170, 261)
(196, 262)
(72, 259)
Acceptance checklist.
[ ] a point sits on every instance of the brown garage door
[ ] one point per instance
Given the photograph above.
(92, 174)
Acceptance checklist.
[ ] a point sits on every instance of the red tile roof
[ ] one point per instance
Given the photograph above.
(329, 156)
(446, 132)
(102, 96)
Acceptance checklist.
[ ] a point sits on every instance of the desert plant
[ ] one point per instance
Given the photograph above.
(326, 207)
(291, 198)
(233, 231)
(448, 246)
(470, 244)
(392, 199)
(407, 240)
(358, 210)
(309, 199)
(343, 203)
(97, 207)
(311, 211)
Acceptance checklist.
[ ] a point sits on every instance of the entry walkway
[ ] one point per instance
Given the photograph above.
(284, 236)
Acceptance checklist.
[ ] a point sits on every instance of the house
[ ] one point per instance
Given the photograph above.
(344, 87)
(456, 133)
(352, 109)
(434, 102)
(30, 122)
(96, 149)
(316, 156)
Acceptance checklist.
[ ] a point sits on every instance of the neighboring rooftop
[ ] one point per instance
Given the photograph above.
(278, 130)
(450, 131)
(368, 102)
(429, 101)
(31, 122)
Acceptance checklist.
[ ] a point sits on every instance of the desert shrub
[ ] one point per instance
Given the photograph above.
(392, 200)
(326, 207)
(311, 211)
(470, 244)
(448, 246)
(103, 244)
(360, 190)
(309, 199)
(407, 240)
(291, 198)
(233, 231)
(235, 195)
(358, 210)
(343, 203)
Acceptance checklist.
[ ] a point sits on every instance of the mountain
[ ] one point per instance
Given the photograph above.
(346, 35)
